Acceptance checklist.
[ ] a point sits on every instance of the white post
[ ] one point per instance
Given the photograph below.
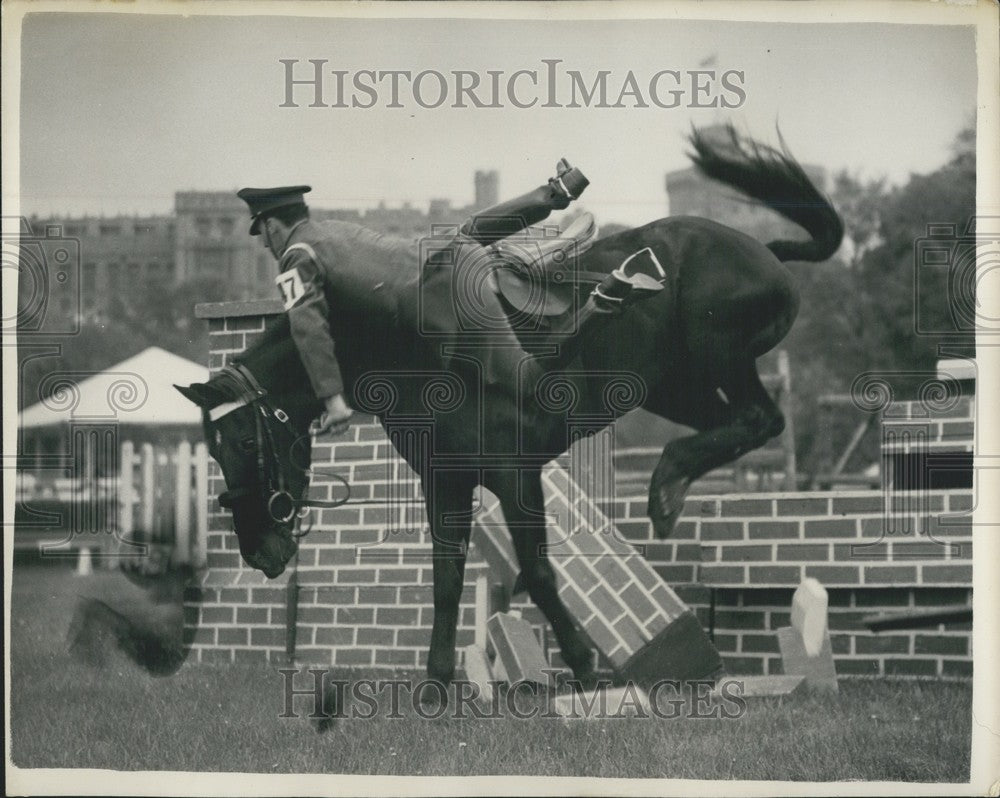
(148, 491)
(126, 517)
(482, 609)
(182, 505)
(201, 505)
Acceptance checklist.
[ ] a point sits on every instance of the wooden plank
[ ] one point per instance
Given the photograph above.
(478, 672)
(819, 671)
(917, 620)
(758, 686)
(611, 702)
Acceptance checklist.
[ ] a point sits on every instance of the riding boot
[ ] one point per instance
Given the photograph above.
(515, 215)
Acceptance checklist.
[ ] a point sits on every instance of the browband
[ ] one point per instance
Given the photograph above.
(224, 409)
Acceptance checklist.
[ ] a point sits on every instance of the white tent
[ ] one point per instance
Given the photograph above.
(137, 391)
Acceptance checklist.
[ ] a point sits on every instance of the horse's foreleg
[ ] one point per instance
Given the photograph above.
(448, 497)
(754, 420)
(523, 504)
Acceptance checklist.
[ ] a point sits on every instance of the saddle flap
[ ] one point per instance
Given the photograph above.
(528, 292)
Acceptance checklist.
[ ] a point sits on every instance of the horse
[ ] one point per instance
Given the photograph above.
(688, 354)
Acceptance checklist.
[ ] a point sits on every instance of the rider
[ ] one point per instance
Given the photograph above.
(333, 264)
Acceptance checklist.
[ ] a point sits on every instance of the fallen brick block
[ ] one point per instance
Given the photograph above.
(757, 686)
(478, 672)
(809, 614)
(819, 670)
(517, 649)
(681, 651)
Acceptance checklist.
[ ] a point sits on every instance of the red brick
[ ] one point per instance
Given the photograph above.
(397, 616)
(957, 574)
(216, 615)
(775, 574)
(831, 528)
(268, 595)
(251, 615)
(700, 508)
(910, 667)
(721, 530)
(685, 530)
(631, 633)
(227, 340)
(241, 324)
(355, 616)
(328, 594)
(353, 656)
(677, 574)
(856, 505)
(398, 576)
(860, 552)
(365, 537)
(395, 656)
(857, 667)
(816, 552)
(959, 501)
(918, 550)
(746, 553)
(834, 574)
(956, 668)
(890, 574)
(739, 619)
(335, 636)
(265, 636)
(638, 602)
(355, 575)
(608, 604)
(234, 595)
(233, 637)
(722, 574)
(733, 508)
(882, 644)
(942, 596)
(932, 644)
(765, 530)
(759, 644)
(937, 526)
(339, 516)
(748, 666)
(378, 594)
(710, 553)
(802, 506)
(337, 555)
(375, 637)
(251, 656)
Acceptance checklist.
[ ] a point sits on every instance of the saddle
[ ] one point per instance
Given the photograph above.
(538, 275)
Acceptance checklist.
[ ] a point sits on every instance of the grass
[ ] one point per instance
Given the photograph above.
(64, 714)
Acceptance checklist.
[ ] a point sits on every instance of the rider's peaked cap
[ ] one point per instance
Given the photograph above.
(264, 200)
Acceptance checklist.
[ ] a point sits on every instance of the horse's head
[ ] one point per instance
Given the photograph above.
(256, 417)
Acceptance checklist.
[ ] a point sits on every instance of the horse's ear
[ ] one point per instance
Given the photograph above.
(202, 394)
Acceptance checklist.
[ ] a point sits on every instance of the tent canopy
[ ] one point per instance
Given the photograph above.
(136, 391)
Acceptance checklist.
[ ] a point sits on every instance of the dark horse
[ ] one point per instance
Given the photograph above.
(688, 354)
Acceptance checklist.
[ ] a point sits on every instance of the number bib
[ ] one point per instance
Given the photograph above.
(291, 287)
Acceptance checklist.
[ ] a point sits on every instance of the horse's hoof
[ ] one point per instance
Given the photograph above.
(329, 712)
(666, 501)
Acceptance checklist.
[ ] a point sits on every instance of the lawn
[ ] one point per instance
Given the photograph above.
(64, 714)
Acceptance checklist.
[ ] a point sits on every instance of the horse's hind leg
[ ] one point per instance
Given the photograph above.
(448, 496)
(741, 417)
(523, 504)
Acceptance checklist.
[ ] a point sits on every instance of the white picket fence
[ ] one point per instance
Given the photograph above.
(157, 501)
(163, 498)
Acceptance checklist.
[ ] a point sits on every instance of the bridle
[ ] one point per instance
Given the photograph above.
(281, 505)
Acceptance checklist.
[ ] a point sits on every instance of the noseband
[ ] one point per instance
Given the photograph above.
(281, 505)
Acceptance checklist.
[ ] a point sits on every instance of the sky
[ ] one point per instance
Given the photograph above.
(119, 111)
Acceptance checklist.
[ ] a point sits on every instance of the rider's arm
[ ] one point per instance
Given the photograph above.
(301, 284)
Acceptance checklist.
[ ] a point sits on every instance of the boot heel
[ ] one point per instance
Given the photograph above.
(573, 182)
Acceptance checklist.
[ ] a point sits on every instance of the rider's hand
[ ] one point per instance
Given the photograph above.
(336, 417)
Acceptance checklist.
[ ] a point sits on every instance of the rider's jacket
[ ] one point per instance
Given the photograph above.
(334, 270)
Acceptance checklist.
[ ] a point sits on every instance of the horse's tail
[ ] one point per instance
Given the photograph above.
(775, 178)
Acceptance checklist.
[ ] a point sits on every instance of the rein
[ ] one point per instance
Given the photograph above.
(281, 505)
